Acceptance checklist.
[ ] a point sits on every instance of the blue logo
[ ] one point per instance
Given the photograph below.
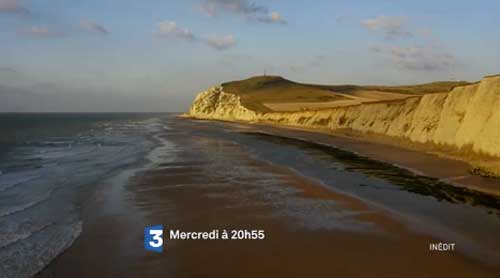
(153, 238)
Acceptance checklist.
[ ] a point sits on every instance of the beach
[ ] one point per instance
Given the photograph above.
(417, 158)
(249, 138)
(348, 221)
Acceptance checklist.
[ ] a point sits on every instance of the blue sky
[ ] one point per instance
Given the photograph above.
(152, 55)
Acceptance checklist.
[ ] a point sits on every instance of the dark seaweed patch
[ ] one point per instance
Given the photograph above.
(403, 178)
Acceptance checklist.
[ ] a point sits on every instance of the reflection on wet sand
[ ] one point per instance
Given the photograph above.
(324, 212)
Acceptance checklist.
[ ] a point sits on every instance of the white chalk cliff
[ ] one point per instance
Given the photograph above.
(467, 118)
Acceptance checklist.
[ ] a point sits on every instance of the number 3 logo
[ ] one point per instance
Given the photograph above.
(153, 238)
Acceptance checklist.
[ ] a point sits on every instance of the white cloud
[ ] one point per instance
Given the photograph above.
(393, 27)
(12, 6)
(220, 42)
(243, 8)
(170, 28)
(93, 27)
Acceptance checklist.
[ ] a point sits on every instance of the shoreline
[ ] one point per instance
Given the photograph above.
(196, 193)
(387, 150)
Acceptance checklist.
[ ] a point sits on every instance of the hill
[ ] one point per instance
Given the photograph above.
(275, 93)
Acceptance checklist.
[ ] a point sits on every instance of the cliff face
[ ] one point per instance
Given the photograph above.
(467, 118)
(218, 105)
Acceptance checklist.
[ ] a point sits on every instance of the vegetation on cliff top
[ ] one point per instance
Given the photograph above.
(258, 91)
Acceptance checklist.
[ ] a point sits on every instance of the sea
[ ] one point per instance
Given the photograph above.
(49, 165)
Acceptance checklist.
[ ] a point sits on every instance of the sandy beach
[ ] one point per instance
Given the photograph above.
(310, 230)
(416, 158)
(249, 138)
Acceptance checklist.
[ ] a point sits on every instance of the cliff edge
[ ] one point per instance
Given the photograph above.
(464, 121)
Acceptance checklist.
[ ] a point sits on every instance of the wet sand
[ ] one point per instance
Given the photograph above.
(214, 186)
(414, 158)
(293, 251)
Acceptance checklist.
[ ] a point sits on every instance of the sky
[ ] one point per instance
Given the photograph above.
(156, 55)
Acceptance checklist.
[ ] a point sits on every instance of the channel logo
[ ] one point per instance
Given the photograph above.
(153, 238)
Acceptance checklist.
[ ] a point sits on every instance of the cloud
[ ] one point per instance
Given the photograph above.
(273, 17)
(393, 27)
(41, 31)
(170, 28)
(12, 7)
(7, 70)
(93, 27)
(418, 58)
(243, 8)
(426, 53)
(220, 42)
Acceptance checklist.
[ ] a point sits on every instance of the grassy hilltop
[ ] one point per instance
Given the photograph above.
(275, 93)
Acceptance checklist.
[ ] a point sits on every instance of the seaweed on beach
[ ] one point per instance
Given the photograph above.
(403, 178)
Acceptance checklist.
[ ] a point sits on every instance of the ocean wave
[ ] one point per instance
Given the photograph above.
(7, 239)
(9, 210)
(42, 186)
(10, 180)
(29, 256)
